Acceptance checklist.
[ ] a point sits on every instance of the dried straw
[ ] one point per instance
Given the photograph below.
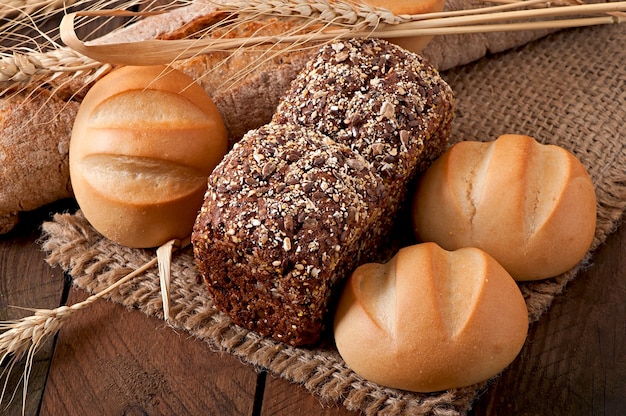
(319, 21)
(341, 19)
(31, 51)
(9, 8)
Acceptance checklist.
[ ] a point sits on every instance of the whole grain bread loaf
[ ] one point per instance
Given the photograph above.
(384, 102)
(283, 219)
(293, 209)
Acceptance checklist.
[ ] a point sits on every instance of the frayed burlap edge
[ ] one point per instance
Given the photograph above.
(502, 94)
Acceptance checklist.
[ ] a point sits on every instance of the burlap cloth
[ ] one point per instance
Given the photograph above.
(568, 88)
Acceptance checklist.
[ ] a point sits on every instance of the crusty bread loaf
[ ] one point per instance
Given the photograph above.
(430, 320)
(284, 219)
(531, 206)
(144, 141)
(35, 131)
(281, 226)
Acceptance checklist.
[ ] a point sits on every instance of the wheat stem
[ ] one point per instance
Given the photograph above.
(346, 19)
(13, 7)
(344, 24)
(22, 338)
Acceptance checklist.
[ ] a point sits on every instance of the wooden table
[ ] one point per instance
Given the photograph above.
(112, 361)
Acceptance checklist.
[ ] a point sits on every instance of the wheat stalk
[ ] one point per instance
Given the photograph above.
(334, 19)
(21, 339)
(30, 55)
(338, 19)
(24, 68)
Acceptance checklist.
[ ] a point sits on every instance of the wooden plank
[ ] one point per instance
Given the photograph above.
(26, 280)
(573, 362)
(284, 398)
(110, 360)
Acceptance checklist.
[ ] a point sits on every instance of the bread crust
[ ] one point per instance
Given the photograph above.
(430, 320)
(529, 205)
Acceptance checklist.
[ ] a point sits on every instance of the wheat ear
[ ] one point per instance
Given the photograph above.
(340, 19)
(21, 339)
(24, 68)
(12, 7)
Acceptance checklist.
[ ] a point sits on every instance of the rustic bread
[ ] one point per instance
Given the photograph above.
(430, 320)
(265, 267)
(372, 97)
(35, 131)
(283, 220)
(531, 206)
(144, 141)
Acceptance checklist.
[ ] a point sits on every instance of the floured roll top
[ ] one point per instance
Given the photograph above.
(299, 203)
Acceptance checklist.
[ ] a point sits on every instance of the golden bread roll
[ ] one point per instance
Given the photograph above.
(530, 206)
(144, 141)
(430, 319)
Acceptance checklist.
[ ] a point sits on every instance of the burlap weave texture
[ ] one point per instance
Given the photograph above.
(567, 89)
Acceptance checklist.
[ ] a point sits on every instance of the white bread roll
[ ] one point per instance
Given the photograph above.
(430, 320)
(530, 206)
(144, 142)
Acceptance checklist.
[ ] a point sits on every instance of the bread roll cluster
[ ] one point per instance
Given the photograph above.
(144, 141)
(448, 313)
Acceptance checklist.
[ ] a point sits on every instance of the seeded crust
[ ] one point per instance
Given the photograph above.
(385, 103)
(285, 218)
(299, 203)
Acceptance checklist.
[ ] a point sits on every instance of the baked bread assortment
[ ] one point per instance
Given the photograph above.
(531, 206)
(266, 239)
(245, 102)
(301, 201)
(431, 320)
(144, 141)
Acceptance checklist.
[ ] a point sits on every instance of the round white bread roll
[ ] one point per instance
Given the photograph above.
(143, 145)
(530, 206)
(412, 43)
(430, 319)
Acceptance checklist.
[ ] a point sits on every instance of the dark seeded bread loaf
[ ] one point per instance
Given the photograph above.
(387, 104)
(284, 218)
(293, 209)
